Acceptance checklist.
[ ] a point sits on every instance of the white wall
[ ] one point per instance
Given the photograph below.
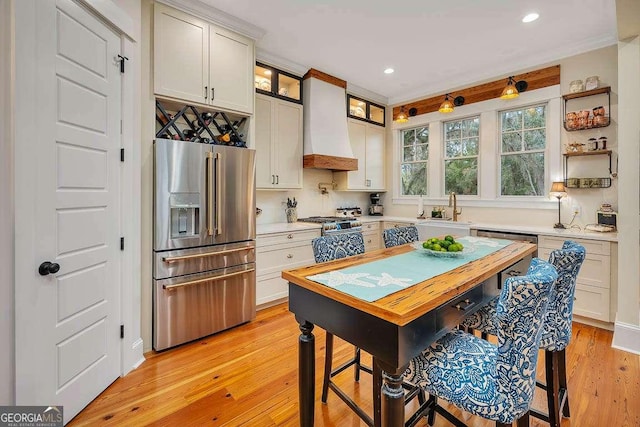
(627, 327)
(7, 369)
(310, 201)
(601, 62)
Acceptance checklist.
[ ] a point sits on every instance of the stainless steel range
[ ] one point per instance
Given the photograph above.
(335, 224)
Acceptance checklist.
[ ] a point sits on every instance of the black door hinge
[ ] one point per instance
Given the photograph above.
(122, 154)
(122, 243)
(122, 59)
(121, 331)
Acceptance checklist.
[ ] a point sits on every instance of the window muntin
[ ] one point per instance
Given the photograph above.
(415, 155)
(461, 148)
(523, 144)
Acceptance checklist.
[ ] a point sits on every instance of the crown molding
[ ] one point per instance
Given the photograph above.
(217, 16)
(280, 62)
(366, 94)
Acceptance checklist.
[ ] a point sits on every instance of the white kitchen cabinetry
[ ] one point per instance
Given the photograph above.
(396, 224)
(367, 143)
(199, 62)
(276, 252)
(594, 284)
(372, 235)
(278, 143)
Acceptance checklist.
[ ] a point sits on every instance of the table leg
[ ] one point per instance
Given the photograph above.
(306, 372)
(377, 393)
(392, 400)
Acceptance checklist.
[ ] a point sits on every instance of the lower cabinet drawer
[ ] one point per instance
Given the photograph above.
(371, 241)
(601, 247)
(270, 288)
(274, 259)
(595, 270)
(592, 302)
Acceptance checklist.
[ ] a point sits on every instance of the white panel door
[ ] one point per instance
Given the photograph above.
(67, 322)
(231, 67)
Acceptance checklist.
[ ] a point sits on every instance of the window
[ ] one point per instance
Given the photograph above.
(415, 153)
(461, 146)
(523, 142)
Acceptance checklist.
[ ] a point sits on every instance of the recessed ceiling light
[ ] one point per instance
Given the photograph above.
(530, 17)
(388, 71)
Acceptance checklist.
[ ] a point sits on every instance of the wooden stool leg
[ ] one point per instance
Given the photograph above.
(553, 388)
(562, 376)
(328, 362)
(356, 359)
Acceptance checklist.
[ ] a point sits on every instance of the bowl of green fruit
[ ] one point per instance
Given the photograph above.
(447, 247)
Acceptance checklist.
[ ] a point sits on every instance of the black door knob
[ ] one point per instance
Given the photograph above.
(48, 268)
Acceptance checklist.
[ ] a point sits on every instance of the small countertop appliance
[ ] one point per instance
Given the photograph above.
(375, 208)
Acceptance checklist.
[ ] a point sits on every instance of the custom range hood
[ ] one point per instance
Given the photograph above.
(326, 137)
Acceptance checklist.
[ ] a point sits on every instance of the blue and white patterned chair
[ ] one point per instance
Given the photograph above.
(329, 248)
(399, 236)
(493, 381)
(556, 330)
(336, 246)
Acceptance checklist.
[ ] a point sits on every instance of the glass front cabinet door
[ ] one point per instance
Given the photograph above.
(271, 81)
(365, 110)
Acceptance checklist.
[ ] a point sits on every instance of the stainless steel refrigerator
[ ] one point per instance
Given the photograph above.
(204, 240)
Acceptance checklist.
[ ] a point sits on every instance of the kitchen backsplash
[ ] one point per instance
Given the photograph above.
(310, 200)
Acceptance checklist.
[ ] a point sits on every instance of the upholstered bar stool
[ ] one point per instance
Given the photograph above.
(495, 382)
(556, 331)
(399, 236)
(329, 248)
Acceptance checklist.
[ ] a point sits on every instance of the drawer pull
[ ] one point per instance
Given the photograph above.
(289, 236)
(208, 279)
(464, 305)
(204, 255)
(289, 256)
(369, 241)
(514, 273)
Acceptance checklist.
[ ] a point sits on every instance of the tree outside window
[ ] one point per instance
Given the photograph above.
(523, 144)
(415, 153)
(461, 147)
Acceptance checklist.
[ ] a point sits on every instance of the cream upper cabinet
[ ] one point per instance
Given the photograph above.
(278, 143)
(367, 144)
(199, 62)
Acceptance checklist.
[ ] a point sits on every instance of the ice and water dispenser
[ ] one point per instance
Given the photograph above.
(185, 214)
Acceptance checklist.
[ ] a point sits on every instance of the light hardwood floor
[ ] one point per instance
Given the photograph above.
(247, 376)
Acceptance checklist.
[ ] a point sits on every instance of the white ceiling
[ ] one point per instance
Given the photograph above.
(433, 45)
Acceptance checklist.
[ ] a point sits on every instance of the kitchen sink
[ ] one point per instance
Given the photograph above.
(442, 227)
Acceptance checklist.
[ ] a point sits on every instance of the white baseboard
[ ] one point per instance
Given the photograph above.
(626, 337)
(136, 355)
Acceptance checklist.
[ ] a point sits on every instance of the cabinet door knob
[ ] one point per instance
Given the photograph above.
(290, 236)
(289, 256)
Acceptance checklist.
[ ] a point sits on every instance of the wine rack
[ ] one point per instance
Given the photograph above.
(188, 123)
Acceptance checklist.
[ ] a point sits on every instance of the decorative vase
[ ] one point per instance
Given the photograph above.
(292, 214)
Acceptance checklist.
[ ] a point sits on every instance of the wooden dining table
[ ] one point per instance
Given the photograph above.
(393, 329)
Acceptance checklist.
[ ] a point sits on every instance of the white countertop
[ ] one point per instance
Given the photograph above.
(283, 227)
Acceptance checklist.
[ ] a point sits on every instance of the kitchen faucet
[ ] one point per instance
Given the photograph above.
(456, 212)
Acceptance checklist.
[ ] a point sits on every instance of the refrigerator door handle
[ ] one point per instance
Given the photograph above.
(218, 194)
(208, 279)
(209, 193)
(208, 254)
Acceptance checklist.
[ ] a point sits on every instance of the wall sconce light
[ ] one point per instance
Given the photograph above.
(558, 191)
(402, 116)
(513, 88)
(448, 104)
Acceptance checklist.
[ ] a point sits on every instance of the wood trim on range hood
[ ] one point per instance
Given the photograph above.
(321, 161)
